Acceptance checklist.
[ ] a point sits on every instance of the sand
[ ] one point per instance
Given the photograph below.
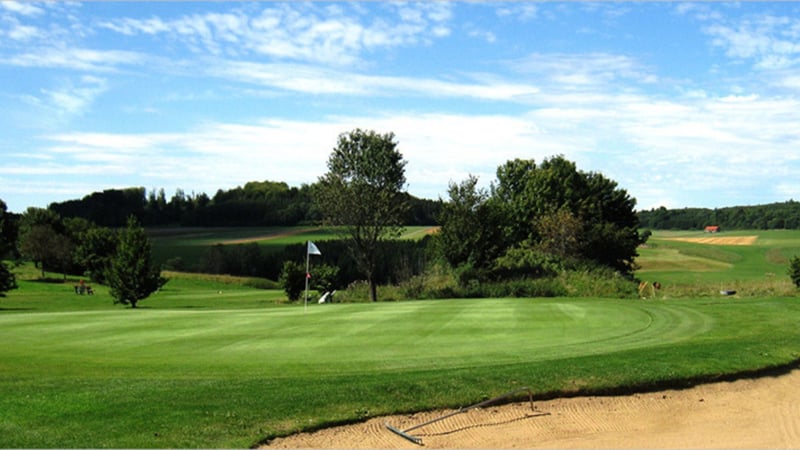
(747, 413)
(717, 240)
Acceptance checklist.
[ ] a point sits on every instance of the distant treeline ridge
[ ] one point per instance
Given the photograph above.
(257, 203)
(771, 216)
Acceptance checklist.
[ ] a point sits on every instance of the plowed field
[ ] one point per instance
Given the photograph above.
(718, 240)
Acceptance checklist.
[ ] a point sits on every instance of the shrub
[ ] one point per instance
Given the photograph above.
(293, 279)
(598, 282)
(794, 270)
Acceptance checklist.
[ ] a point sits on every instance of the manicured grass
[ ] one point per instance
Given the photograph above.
(185, 377)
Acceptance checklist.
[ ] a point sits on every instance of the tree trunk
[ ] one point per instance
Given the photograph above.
(373, 290)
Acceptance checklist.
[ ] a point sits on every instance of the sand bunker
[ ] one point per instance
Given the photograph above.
(749, 413)
(715, 240)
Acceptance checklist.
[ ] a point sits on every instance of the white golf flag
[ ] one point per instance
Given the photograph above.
(312, 249)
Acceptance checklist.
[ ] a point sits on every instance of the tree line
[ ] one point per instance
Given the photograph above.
(257, 203)
(784, 215)
(537, 221)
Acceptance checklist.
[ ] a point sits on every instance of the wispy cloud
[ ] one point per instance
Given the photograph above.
(75, 99)
(75, 58)
(298, 32)
(23, 8)
(577, 69)
(315, 80)
(769, 41)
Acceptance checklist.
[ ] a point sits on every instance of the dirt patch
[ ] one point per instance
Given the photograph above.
(266, 237)
(716, 240)
(749, 413)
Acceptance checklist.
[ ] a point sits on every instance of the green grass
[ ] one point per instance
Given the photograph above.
(211, 362)
(704, 269)
(186, 377)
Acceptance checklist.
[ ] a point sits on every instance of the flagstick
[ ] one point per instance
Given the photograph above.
(305, 306)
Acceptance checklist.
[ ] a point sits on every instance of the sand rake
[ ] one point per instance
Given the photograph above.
(418, 440)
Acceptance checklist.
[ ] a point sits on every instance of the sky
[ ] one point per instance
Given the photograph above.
(682, 104)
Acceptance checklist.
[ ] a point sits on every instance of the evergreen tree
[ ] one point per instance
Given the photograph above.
(133, 275)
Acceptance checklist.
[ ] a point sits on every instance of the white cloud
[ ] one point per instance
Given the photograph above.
(19, 32)
(519, 11)
(584, 69)
(74, 58)
(315, 80)
(772, 42)
(22, 8)
(296, 32)
(735, 144)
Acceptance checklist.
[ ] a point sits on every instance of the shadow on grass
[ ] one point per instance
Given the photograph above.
(48, 280)
(677, 384)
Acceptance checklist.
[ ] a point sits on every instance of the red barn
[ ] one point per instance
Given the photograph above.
(712, 229)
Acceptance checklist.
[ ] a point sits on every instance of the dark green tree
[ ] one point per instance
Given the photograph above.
(470, 237)
(293, 280)
(527, 193)
(133, 276)
(43, 240)
(96, 247)
(794, 270)
(8, 238)
(323, 278)
(48, 249)
(363, 194)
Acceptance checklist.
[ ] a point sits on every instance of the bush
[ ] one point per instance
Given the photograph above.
(293, 280)
(175, 264)
(598, 282)
(794, 270)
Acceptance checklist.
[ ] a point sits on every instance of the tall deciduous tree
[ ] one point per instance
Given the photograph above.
(133, 276)
(471, 233)
(363, 193)
(8, 237)
(48, 249)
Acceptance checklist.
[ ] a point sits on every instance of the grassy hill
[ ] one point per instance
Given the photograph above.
(702, 264)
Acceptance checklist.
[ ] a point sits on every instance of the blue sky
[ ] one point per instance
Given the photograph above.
(683, 104)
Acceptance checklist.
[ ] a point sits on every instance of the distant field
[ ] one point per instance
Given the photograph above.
(723, 261)
(191, 244)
